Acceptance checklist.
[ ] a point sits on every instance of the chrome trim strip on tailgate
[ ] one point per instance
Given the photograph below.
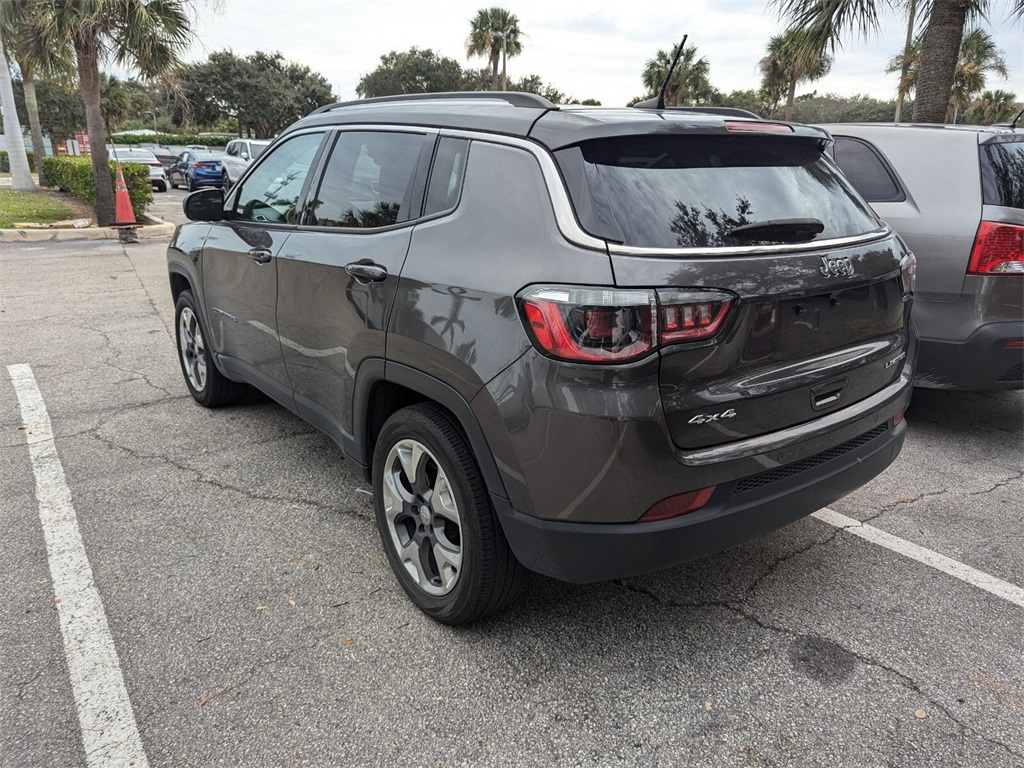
(775, 440)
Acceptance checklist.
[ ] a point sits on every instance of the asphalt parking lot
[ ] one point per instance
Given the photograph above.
(256, 622)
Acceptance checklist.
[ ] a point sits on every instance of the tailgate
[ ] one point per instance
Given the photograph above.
(795, 345)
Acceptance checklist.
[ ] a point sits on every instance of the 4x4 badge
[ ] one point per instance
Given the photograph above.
(836, 267)
(707, 418)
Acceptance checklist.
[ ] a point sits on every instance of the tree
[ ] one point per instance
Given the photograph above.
(978, 57)
(61, 112)
(21, 177)
(412, 71)
(262, 92)
(759, 102)
(833, 108)
(34, 53)
(495, 34)
(788, 63)
(534, 84)
(992, 107)
(827, 21)
(689, 84)
(146, 35)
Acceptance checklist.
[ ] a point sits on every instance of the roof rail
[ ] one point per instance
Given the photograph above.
(515, 98)
(726, 111)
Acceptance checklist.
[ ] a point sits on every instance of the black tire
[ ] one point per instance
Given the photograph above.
(174, 184)
(207, 385)
(161, 187)
(488, 577)
(191, 185)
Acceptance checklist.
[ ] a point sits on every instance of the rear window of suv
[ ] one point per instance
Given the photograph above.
(1002, 173)
(690, 191)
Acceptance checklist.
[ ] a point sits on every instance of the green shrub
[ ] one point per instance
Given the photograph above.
(74, 175)
(176, 139)
(5, 162)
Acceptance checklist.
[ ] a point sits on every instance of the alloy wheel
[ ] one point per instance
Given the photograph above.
(193, 348)
(422, 517)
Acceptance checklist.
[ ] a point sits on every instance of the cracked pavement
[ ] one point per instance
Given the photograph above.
(257, 621)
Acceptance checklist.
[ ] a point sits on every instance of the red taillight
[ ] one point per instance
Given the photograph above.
(674, 506)
(590, 324)
(754, 126)
(608, 325)
(998, 250)
(908, 273)
(690, 315)
(1014, 344)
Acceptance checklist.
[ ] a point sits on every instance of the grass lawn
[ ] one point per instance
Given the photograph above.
(38, 207)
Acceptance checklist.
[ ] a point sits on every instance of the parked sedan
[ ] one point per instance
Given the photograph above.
(141, 157)
(238, 156)
(196, 168)
(956, 196)
(167, 157)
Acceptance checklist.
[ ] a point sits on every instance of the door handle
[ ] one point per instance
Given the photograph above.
(366, 271)
(260, 255)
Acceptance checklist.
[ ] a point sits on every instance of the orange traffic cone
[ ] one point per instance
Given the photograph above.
(123, 213)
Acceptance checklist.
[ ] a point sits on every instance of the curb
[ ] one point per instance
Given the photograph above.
(150, 229)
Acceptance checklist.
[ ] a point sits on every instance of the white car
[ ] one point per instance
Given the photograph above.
(157, 177)
(237, 157)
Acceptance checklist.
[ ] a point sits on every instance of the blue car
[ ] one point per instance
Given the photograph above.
(196, 168)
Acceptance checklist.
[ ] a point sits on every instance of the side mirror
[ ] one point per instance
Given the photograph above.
(245, 155)
(204, 205)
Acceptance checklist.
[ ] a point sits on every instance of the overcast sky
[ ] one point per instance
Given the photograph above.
(586, 49)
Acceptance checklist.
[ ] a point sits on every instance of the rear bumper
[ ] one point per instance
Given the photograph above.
(738, 511)
(982, 361)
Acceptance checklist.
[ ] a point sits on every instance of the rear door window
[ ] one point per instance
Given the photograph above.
(867, 171)
(369, 180)
(1002, 173)
(691, 191)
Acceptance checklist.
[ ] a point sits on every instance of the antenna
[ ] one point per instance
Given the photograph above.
(659, 102)
(1013, 124)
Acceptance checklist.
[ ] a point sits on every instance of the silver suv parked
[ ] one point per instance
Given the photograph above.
(238, 155)
(591, 343)
(956, 196)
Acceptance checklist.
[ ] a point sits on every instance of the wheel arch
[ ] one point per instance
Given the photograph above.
(383, 388)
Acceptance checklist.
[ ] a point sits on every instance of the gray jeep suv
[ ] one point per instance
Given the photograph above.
(955, 194)
(587, 342)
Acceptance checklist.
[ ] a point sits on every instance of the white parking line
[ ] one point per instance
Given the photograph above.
(109, 733)
(1004, 589)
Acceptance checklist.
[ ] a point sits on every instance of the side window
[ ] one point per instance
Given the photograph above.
(866, 170)
(446, 175)
(369, 180)
(271, 192)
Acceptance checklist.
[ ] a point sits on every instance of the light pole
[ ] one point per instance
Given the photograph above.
(148, 112)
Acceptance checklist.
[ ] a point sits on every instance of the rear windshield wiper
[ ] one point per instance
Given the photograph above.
(792, 230)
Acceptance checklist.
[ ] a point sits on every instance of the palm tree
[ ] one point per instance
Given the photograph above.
(690, 83)
(143, 34)
(790, 62)
(34, 54)
(827, 21)
(978, 57)
(21, 177)
(992, 107)
(495, 33)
